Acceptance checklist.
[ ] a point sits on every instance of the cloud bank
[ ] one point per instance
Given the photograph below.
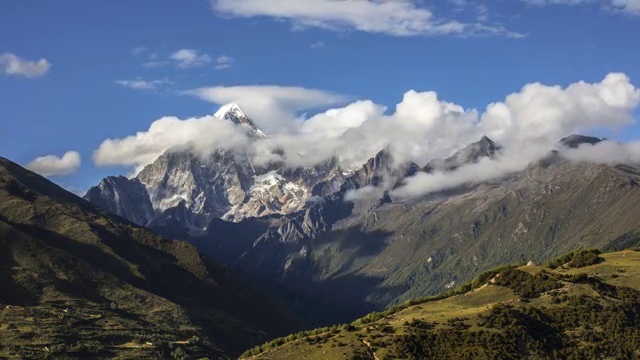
(204, 135)
(52, 165)
(420, 128)
(11, 64)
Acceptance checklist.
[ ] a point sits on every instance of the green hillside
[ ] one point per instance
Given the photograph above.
(76, 282)
(581, 306)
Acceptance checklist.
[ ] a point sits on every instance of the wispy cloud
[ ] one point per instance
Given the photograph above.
(631, 7)
(154, 64)
(140, 84)
(53, 165)
(186, 58)
(11, 64)
(318, 45)
(138, 50)
(183, 58)
(223, 62)
(396, 18)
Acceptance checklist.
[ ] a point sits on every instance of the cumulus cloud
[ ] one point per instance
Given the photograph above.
(606, 152)
(202, 134)
(11, 64)
(529, 123)
(186, 58)
(139, 84)
(397, 18)
(52, 165)
(420, 128)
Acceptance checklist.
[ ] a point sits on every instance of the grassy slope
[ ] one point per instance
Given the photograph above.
(79, 281)
(618, 269)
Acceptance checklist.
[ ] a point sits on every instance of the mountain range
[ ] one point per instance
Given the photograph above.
(323, 237)
(210, 255)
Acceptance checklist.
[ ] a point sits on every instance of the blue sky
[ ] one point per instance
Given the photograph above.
(95, 52)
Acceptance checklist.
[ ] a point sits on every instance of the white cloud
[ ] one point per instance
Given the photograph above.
(138, 50)
(224, 62)
(606, 152)
(183, 58)
(626, 6)
(53, 165)
(529, 123)
(11, 64)
(397, 18)
(318, 45)
(273, 107)
(140, 84)
(186, 58)
(203, 134)
(155, 64)
(422, 127)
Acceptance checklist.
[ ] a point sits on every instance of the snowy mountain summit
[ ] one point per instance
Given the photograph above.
(233, 113)
(182, 192)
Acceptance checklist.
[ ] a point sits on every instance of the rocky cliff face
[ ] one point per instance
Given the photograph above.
(125, 197)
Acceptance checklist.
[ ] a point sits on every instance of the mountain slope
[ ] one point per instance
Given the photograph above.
(587, 308)
(394, 251)
(78, 280)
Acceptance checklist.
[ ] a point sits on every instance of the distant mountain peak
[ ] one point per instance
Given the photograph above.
(230, 108)
(486, 140)
(232, 112)
(575, 140)
(472, 153)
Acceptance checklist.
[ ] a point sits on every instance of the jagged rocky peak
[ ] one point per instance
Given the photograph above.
(123, 196)
(232, 112)
(575, 140)
(472, 153)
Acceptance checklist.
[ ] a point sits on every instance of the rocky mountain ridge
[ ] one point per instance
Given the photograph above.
(315, 235)
(184, 190)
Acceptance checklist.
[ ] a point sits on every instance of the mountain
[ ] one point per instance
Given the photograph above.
(575, 140)
(358, 258)
(343, 244)
(232, 112)
(80, 282)
(472, 153)
(123, 196)
(582, 306)
(186, 190)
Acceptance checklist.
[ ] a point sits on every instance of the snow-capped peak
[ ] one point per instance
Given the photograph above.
(232, 112)
(231, 109)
